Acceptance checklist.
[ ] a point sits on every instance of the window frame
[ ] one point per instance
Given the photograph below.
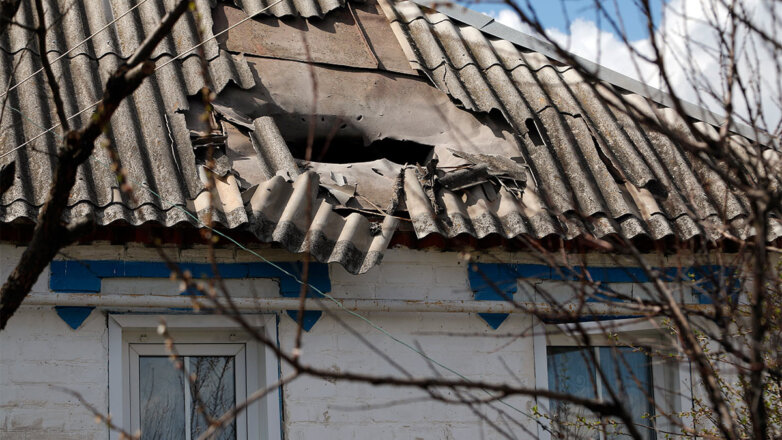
(629, 331)
(242, 365)
(134, 335)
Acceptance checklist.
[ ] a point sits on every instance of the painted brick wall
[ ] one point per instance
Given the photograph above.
(40, 352)
(316, 408)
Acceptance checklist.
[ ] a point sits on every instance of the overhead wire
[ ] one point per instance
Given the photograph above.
(318, 291)
(198, 221)
(180, 55)
(64, 54)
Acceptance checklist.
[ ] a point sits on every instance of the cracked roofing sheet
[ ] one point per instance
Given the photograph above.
(588, 161)
(150, 132)
(589, 169)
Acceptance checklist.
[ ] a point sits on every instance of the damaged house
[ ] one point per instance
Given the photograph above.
(400, 160)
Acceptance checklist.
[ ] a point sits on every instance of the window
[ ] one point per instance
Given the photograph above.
(163, 403)
(649, 385)
(626, 372)
(147, 393)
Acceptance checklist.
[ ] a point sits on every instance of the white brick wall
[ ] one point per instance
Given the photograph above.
(316, 408)
(406, 274)
(39, 351)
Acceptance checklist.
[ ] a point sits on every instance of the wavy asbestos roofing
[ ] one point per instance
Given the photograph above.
(281, 8)
(493, 28)
(591, 169)
(149, 131)
(594, 170)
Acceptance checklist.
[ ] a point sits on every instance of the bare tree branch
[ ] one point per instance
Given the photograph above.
(8, 9)
(49, 234)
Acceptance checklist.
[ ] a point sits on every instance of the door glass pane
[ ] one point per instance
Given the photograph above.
(215, 387)
(629, 375)
(161, 399)
(570, 371)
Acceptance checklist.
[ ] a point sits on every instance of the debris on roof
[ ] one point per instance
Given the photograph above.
(343, 119)
(465, 177)
(590, 161)
(509, 173)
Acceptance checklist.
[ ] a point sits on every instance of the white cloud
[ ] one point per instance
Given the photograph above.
(690, 43)
(606, 49)
(511, 19)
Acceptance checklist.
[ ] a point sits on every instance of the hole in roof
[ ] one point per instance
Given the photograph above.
(533, 132)
(342, 149)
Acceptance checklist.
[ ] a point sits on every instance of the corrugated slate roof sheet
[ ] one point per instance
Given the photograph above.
(589, 163)
(148, 132)
(591, 169)
(303, 8)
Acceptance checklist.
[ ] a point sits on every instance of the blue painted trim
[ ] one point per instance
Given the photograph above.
(83, 276)
(497, 281)
(704, 282)
(73, 316)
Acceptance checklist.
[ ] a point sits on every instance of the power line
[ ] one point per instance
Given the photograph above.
(227, 237)
(64, 54)
(249, 17)
(320, 292)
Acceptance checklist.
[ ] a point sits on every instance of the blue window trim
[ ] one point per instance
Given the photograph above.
(85, 276)
(498, 281)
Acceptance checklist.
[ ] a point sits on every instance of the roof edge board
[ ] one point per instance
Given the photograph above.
(494, 28)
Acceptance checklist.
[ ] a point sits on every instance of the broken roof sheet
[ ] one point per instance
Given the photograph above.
(566, 163)
(595, 170)
(150, 134)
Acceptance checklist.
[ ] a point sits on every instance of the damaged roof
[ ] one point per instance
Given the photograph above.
(339, 123)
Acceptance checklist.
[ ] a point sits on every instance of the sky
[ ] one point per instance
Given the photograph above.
(557, 15)
(579, 27)
(690, 48)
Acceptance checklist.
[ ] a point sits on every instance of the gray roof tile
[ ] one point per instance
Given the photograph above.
(592, 169)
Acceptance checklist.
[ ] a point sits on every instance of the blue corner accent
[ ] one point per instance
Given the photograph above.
(317, 277)
(85, 276)
(494, 320)
(497, 282)
(73, 316)
(310, 318)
